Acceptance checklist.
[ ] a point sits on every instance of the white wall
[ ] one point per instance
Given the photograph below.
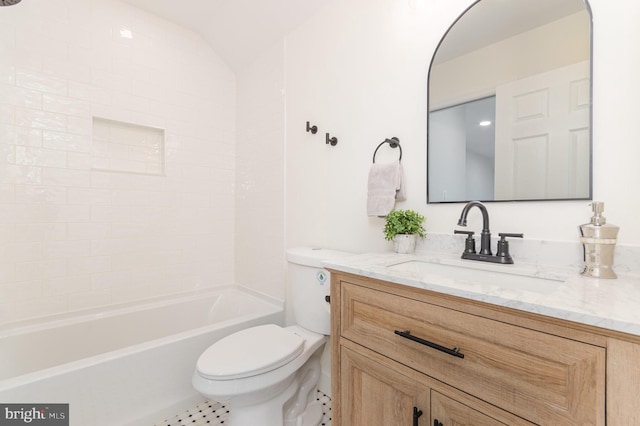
(480, 176)
(449, 176)
(259, 230)
(73, 237)
(359, 70)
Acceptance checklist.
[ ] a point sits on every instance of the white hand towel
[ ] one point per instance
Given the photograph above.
(400, 193)
(384, 187)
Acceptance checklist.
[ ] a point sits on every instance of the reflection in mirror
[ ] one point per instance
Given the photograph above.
(468, 130)
(528, 63)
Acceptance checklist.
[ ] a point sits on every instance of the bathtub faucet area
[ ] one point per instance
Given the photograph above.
(502, 254)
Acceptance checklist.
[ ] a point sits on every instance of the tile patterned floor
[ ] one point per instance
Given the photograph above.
(214, 413)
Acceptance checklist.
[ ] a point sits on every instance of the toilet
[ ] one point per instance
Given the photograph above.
(268, 375)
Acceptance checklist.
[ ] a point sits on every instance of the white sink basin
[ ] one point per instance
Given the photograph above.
(430, 272)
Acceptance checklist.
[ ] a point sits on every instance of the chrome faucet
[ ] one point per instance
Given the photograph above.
(502, 255)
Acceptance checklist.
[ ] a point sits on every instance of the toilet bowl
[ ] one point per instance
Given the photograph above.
(269, 374)
(257, 371)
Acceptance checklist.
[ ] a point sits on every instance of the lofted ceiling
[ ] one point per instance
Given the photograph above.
(490, 21)
(237, 30)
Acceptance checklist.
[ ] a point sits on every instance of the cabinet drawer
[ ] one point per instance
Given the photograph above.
(544, 378)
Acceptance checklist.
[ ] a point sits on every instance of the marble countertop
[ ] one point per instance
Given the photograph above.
(612, 304)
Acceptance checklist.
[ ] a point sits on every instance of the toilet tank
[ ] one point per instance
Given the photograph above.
(310, 284)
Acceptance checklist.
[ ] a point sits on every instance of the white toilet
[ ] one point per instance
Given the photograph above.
(269, 374)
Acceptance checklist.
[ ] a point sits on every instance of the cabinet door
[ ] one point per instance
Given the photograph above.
(373, 394)
(447, 412)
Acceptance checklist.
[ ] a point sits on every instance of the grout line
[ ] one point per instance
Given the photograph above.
(211, 413)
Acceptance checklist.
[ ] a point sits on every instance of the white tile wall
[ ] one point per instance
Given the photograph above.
(72, 237)
(127, 147)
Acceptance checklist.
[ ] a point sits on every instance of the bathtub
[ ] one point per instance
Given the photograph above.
(126, 365)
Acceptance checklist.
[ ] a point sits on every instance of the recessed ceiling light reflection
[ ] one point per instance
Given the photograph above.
(126, 33)
(485, 123)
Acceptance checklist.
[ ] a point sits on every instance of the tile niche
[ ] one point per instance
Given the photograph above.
(126, 147)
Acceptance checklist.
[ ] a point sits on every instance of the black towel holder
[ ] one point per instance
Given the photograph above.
(393, 142)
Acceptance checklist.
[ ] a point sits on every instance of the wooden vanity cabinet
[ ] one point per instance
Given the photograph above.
(448, 411)
(398, 350)
(378, 393)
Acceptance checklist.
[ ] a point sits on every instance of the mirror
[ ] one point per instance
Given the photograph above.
(510, 104)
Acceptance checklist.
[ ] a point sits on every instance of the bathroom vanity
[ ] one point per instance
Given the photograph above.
(421, 343)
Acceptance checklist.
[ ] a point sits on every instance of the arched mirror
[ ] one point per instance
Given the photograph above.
(510, 104)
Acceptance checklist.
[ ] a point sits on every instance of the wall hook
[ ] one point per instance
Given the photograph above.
(312, 129)
(331, 140)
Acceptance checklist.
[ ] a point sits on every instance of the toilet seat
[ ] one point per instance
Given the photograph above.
(250, 352)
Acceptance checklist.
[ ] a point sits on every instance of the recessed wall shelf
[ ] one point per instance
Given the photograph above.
(126, 147)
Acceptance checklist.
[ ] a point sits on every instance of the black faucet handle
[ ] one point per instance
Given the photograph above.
(504, 235)
(503, 246)
(469, 242)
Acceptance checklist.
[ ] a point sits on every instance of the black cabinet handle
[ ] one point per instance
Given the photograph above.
(416, 415)
(407, 335)
(437, 423)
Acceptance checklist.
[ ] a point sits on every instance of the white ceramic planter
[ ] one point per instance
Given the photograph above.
(405, 243)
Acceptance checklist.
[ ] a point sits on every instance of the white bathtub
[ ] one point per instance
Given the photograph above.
(129, 363)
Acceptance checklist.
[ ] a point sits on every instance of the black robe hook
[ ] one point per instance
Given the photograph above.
(313, 129)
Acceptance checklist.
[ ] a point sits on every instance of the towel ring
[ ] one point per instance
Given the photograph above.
(394, 142)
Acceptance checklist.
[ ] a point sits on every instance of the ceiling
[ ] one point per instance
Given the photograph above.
(237, 30)
(490, 21)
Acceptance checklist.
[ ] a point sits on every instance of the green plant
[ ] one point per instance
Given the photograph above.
(403, 222)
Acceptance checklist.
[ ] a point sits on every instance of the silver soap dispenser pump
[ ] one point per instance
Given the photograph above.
(598, 239)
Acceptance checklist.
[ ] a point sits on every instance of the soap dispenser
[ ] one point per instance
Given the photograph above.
(599, 241)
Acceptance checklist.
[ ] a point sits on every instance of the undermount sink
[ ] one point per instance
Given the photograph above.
(429, 272)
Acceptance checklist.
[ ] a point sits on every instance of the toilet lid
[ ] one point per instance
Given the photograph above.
(250, 352)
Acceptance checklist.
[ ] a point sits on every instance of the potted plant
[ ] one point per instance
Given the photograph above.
(403, 227)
